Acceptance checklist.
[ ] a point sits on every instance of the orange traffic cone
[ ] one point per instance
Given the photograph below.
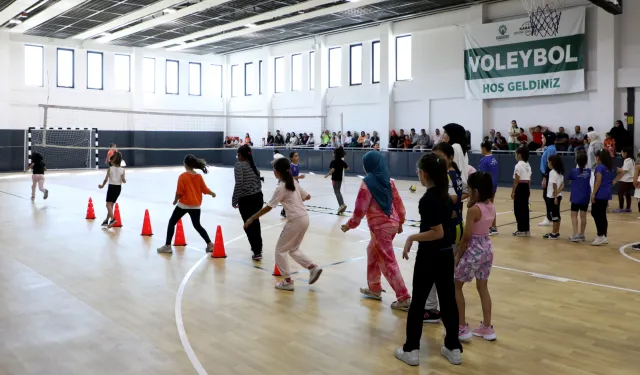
(116, 216)
(91, 215)
(276, 271)
(179, 239)
(146, 225)
(218, 245)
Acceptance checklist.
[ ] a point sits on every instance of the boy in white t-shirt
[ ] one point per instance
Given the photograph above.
(521, 192)
(554, 194)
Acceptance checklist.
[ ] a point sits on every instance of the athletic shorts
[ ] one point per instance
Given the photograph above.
(579, 207)
(554, 209)
(113, 192)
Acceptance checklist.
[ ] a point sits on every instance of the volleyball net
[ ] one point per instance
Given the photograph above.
(80, 137)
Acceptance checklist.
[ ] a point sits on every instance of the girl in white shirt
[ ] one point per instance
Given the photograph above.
(456, 136)
(521, 192)
(115, 176)
(626, 180)
(291, 195)
(554, 194)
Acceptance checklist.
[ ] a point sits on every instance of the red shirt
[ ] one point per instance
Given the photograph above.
(537, 137)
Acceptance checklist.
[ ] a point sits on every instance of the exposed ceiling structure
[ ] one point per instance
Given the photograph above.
(205, 26)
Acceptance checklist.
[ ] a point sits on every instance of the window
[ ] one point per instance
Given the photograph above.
(260, 77)
(236, 80)
(249, 80)
(312, 70)
(375, 62)
(195, 79)
(149, 75)
(122, 70)
(34, 65)
(296, 72)
(217, 81)
(94, 71)
(171, 77)
(355, 64)
(65, 68)
(279, 74)
(335, 66)
(403, 58)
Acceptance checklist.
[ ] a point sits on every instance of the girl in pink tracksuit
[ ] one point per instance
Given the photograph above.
(379, 200)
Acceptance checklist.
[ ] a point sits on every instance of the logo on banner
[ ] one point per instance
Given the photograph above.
(503, 33)
(524, 29)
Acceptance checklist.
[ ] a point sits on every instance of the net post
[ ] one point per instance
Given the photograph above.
(44, 125)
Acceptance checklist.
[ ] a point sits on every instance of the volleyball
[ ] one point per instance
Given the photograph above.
(412, 188)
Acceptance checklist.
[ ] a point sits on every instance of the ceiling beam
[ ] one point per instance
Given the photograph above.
(199, 7)
(251, 20)
(47, 14)
(131, 17)
(14, 9)
(270, 25)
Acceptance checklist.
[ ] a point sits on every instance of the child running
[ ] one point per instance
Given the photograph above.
(112, 149)
(626, 180)
(489, 164)
(379, 201)
(580, 178)
(39, 167)
(336, 171)
(521, 191)
(191, 187)
(555, 185)
(434, 263)
(291, 195)
(605, 174)
(116, 177)
(445, 152)
(475, 255)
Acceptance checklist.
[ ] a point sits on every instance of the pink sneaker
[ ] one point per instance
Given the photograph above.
(486, 333)
(464, 334)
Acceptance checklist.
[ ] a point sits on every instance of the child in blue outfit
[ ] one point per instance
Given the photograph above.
(580, 178)
(489, 164)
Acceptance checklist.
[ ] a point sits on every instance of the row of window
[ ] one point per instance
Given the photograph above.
(242, 82)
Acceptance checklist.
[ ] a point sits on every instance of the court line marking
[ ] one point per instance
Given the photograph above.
(627, 255)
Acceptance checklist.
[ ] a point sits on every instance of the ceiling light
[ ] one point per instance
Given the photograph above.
(36, 6)
(14, 22)
(251, 25)
(169, 11)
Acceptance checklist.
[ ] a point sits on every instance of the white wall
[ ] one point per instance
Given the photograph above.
(435, 95)
(19, 102)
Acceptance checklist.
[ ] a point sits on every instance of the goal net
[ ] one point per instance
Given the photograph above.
(64, 148)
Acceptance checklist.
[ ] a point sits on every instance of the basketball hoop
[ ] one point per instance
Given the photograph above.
(544, 16)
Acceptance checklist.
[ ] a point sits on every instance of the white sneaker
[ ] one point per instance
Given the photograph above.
(411, 358)
(209, 248)
(166, 249)
(342, 209)
(545, 223)
(402, 306)
(600, 241)
(315, 274)
(454, 356)
(369, 294)
(284, 285)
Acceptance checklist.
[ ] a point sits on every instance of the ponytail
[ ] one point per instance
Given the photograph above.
(245, 152)
(283, 166)
(192, 162)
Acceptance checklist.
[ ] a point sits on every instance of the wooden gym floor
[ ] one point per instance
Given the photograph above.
(78, 299)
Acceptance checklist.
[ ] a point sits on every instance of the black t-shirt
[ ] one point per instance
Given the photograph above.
(38, 168)
(338, 166)
(562, 137)
(434, 211)
(270, 139)
(279, 139)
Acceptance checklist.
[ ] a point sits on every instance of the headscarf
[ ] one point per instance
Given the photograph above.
(595, 145)
(393, 133)
(595, 136)
(457, 134)
(378, 179)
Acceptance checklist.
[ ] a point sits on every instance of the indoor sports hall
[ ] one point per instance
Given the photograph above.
(119, 93)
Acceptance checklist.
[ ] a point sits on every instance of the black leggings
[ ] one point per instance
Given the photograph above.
(248, 206)
(599, 214)
(194, 214)
(624, 190)
(521, 206)
(433, 267)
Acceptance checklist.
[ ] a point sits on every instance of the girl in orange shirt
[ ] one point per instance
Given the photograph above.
(188, 199)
